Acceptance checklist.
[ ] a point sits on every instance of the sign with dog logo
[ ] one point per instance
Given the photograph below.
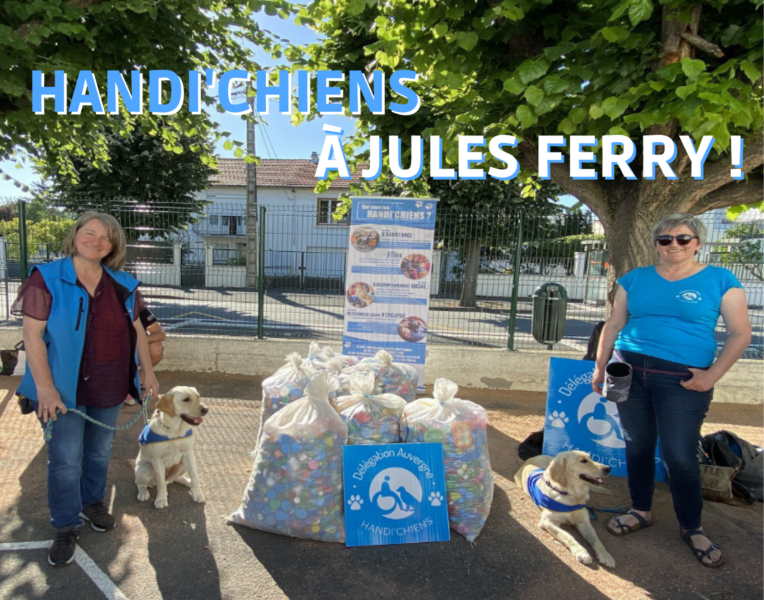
(395, 494)
(579, 419)
(388, 274)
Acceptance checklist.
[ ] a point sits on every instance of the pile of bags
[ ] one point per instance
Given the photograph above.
(313, 407)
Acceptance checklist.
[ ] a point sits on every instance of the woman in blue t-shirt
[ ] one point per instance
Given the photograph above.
(663, 324)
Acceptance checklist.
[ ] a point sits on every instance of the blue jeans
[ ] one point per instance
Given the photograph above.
(78, 460)
(659, 407)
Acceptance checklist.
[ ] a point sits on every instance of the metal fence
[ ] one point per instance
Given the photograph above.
(192, 261)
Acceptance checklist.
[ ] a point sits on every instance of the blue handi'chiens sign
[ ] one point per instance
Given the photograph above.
(579, 419)
(395, 494)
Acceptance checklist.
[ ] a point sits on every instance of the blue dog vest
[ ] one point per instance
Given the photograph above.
(148, 436)
(541, 500)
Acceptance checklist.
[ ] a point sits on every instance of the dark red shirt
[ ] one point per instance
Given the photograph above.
(105, 368)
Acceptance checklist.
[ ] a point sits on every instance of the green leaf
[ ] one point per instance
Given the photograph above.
(228, 145)
(440, 30)
(614, 34)
(567, 126)
(527, 116)
(685, 90)
(657, 85)
(692, 68)
(513, 86)
(578, 115)
(640, 10)
(534, 95)
(555, 85)
(595, 111)
(467, 40)
(751, 70)
(532, 69)
(238, 153)
(615, 107)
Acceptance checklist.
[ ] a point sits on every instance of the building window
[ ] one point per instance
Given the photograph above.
(326, 206)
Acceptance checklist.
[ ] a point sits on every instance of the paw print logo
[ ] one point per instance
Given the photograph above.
(558, 419)
(435, 498)
(428, 206)
(419, 204)
(346, 345)
(355, 502)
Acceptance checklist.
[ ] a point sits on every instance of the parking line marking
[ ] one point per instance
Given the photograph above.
(92, 570)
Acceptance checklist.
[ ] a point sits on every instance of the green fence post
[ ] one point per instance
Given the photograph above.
(261, 275)
(23, 239)
(515, 283)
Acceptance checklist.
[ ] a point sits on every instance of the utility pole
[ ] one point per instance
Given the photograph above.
(252, 248)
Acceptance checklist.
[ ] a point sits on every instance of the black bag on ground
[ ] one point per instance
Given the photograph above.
(726, 449)
(531, 446)
(594, 342)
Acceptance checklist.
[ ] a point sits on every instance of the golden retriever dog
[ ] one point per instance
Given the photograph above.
(167, 446)
(560, 487)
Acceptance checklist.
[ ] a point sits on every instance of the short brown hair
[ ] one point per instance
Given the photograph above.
(115, 260)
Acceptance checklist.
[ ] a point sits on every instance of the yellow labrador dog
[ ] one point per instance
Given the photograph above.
(560, 488)
(167, 446)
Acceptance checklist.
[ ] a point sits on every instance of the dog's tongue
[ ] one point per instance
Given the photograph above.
(197, 420)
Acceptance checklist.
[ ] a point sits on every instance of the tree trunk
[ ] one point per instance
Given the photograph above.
(471, 270)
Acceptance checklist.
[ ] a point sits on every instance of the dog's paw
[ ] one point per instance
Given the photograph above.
(161, 502)
(606, 560)
(143, 495)
(197, 495)
(583, 557)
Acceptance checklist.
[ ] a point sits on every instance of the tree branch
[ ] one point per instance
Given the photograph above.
(590, 192)
(732, 194)
(703, 45)
(717, 174)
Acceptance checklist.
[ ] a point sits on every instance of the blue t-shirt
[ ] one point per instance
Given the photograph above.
(674, 320)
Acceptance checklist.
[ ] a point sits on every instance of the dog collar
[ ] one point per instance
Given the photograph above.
(149, 436)
(550, 486)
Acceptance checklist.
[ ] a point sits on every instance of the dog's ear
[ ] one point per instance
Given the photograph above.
(558, 470)
(166, 405)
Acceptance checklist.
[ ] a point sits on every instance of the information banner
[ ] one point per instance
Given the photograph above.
(387, 282)
(394, 494)
(579, 419)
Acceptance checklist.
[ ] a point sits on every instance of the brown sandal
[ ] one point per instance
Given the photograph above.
(701, 554)
(624, 529)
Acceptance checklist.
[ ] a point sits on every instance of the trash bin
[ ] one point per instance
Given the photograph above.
(550, 304)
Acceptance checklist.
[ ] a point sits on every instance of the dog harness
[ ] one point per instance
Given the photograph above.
(541, 500)
(149, 436)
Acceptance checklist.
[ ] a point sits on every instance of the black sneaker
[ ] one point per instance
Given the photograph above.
(99, 516)
(62, 551)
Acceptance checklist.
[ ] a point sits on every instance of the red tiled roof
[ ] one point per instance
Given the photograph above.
(278, 172)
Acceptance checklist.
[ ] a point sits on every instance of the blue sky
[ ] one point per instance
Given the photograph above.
(276, 137)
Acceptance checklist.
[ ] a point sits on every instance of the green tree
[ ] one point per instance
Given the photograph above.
(533, 67)
(746, 248)
(121, 35)
(151, 190)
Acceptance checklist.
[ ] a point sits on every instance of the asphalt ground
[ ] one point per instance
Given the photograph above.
(189, 552)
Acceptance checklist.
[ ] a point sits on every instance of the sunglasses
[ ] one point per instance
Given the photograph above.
(682, 240)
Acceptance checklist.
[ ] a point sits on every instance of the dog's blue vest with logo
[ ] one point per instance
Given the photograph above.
(541, 500)
(149, 436)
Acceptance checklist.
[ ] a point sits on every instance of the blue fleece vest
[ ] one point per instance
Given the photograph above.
(541, 500)
(149, 436)
(65, 331)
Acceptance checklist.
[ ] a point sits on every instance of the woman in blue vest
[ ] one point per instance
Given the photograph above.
(83, 340)
(664, 325)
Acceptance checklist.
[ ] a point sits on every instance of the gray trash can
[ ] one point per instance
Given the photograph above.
(550, 305)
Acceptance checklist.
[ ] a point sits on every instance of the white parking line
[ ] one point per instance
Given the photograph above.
(99, 578)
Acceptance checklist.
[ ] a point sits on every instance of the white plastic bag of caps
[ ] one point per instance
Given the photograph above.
(296, 483)
(460, 425)
(347, 361)
(392, 377)
(371, 418)
(285, 386)
(343, 375)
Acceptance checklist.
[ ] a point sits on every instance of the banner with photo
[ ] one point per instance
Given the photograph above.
(387, 282)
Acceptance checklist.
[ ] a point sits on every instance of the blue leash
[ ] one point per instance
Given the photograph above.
(593, 511)
(48, 433)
